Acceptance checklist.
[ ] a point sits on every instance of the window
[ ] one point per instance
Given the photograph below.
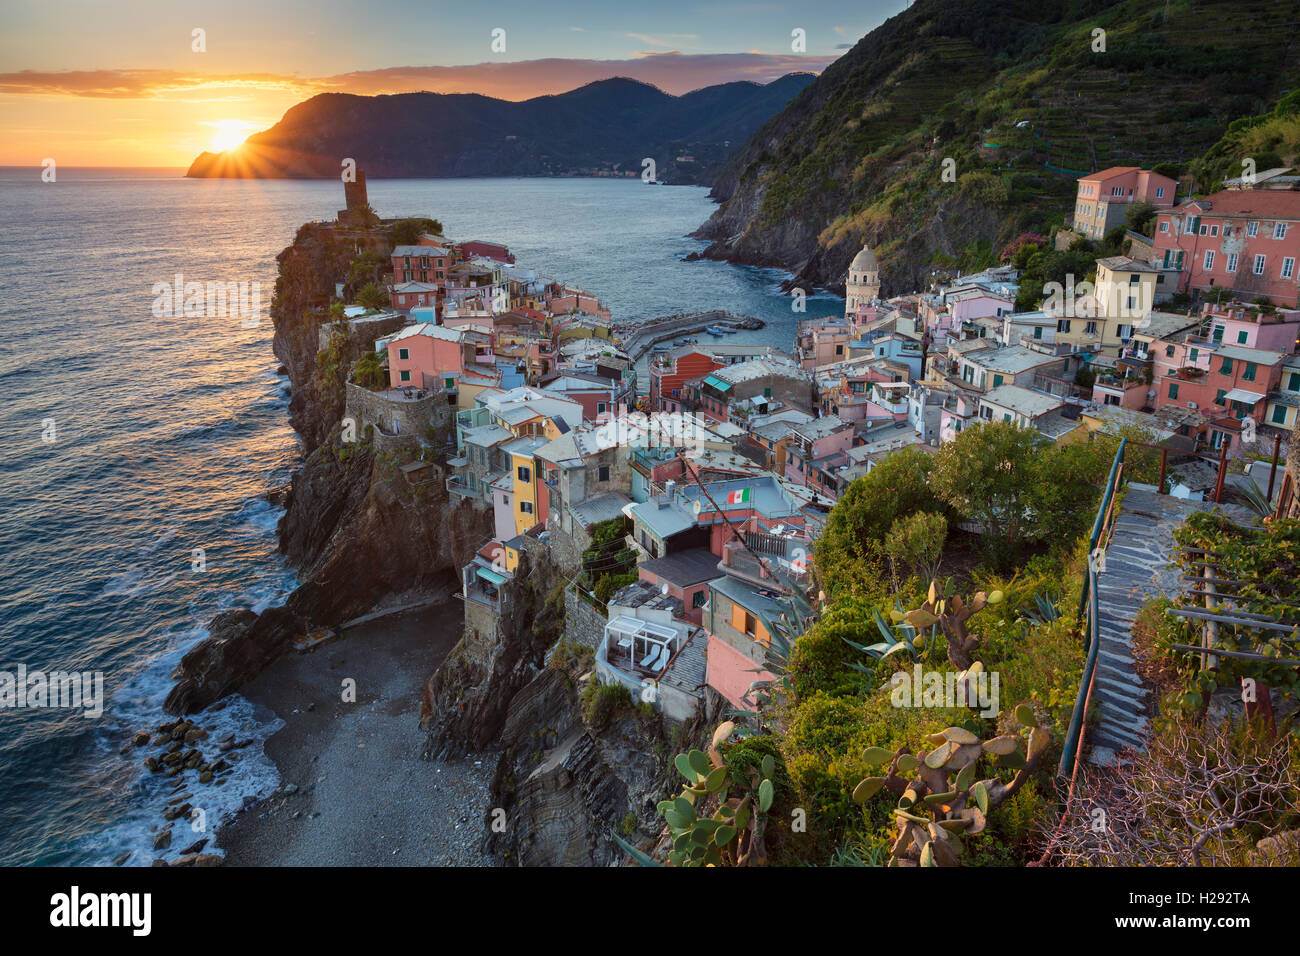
(997, 380)
(1242, 336)
(1125, 331)
(1062, 325)
(700, 599)
(404, 375)
(525, 507)
(1214, 230)
(1090, 328)
(600, 408)
(1226, 367)
(1232, 263)
(1191, 356)
(602, 474)
(449, 383)
(1288, 267)
(1279, 415)
(1218, 399)
(1209, 260)
(1279, 230)
(1164, 227)
(1173, 390)
(403, 353)
(1293, 382)
(751, 625)
(1160, 192)
(1259, 265)
(1169, 351)
(525, 473)
(1038, 331)
(1203, 231)
(1249, 373)
(1217, 334)
(1252, 229)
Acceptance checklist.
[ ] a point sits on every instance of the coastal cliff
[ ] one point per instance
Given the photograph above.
(952, 128)
(355, 529)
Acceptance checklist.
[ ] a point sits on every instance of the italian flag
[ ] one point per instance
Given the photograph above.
(738, 497)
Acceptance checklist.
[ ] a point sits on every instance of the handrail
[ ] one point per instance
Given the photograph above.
(1088, 602)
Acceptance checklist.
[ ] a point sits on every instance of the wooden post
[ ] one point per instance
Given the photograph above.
(1272, 472)
(1223, 470)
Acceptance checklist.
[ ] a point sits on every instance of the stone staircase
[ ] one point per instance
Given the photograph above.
(1138, 567)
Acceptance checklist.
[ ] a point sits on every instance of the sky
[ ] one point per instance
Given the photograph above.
(132, 83)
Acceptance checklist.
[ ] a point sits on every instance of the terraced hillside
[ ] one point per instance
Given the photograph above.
(1020, 96)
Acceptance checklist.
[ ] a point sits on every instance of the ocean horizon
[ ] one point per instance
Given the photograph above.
(140, 448)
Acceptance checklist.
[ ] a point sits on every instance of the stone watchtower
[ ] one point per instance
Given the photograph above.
(354, 195)
(862, 287)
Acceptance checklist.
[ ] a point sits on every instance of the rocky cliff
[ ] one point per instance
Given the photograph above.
(356, 531)
(953, 127)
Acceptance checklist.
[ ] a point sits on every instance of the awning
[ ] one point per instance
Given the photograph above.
(489, 575)
(717, 383)
(1243, 396)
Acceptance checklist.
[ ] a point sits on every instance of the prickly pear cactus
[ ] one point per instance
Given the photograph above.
(732, 833)
(951, 615)
(940, 801)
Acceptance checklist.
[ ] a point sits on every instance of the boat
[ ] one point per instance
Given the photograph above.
(718, 330)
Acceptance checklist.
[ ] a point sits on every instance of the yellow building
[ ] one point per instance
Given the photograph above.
(1124, 292)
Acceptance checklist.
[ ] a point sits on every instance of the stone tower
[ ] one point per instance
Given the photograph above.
(862, 287)
(354, 195)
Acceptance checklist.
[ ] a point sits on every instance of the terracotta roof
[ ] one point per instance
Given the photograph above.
(1250, 204)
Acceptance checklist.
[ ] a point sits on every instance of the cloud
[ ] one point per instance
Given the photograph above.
(672, 71)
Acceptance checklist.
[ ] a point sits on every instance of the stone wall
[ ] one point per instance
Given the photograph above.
(399, 423)
(583, 624)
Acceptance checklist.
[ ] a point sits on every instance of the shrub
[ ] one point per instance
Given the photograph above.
(602, 702)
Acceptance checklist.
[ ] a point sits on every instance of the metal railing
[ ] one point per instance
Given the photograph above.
(1089, 613)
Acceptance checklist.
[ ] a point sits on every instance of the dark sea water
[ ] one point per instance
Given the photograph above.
(168, 432)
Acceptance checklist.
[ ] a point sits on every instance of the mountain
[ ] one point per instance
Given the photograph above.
(609, 125)
(1021, 95)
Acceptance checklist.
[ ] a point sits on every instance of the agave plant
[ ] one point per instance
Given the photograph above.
(1256, 497)
(1044, 611)
(940, 801)
(894, 639)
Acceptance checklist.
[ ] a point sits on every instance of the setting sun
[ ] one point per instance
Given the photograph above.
(229, 134)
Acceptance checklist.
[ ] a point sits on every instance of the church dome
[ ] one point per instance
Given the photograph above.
(864, 261)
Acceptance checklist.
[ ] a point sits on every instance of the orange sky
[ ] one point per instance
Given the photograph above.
(89, 83)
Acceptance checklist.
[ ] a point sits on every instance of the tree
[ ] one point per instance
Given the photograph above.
(1139, 216)
(898, 485)
(372, 296)
(369, 372)
(985, 474)
(406, 232)
(916, 543)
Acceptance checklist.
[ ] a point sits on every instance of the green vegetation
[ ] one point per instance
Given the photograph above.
(373, 296)
(601, 702)
(1020, 99)
(406, 232)
(608, 564)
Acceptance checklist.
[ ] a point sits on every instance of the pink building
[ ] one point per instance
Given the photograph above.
(812, 445)
(427, 353)
(487, 250)
(1244, 240)
(423, 263)
(1239, 323)
(1104, 197)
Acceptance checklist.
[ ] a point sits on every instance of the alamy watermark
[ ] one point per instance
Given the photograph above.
(208, 300)
(930, 688)
(42, 690)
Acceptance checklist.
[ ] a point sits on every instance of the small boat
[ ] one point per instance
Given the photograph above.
(718, 330)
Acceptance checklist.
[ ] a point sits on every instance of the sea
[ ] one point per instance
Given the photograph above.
(138, 444)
